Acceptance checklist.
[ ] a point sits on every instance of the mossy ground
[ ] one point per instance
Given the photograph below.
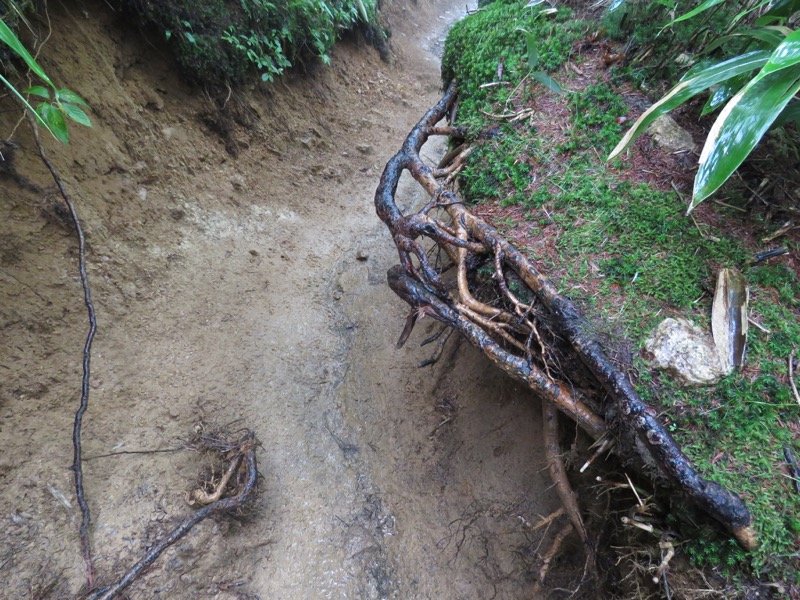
(615, 237)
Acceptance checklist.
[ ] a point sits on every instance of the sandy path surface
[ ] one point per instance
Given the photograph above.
(247, 291)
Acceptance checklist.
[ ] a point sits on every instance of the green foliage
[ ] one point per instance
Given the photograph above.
(57, 105)
(523, 38)
(646, 249)
(752, 103)
(221, 41)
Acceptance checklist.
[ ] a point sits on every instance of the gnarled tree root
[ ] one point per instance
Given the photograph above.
(503, 328)
(243, 459)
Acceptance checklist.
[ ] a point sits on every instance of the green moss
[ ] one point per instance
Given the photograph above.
(594, 119)
(630, 257)
(497, 168)
(478, 44)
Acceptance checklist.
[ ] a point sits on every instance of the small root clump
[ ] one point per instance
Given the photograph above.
(222, 495)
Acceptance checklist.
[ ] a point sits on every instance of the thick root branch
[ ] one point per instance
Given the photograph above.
(504, 328)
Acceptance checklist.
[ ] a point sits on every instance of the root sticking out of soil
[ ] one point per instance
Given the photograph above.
(495, 297)
(228, 494)
(77, 463)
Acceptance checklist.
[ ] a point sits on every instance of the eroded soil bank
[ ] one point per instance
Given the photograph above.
(247, 291)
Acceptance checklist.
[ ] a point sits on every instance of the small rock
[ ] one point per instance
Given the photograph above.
(685, 351)
(365, 149)
(174, 564)
(142, 193)
(168, 132)
(362, 255)
(153, 100)
(238, 182)
(670, 136)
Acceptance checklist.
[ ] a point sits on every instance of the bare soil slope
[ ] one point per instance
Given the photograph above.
(246, 291)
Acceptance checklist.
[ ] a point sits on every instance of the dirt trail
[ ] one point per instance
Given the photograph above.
(248, 291)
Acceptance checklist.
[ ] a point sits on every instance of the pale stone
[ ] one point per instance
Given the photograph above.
(238, 182)
(670, 136)
(685, 351)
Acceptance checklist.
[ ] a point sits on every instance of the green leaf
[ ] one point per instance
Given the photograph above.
(783, 8)
(533, 54)
(787, 54)
(723, 93)
(38, 90)
(740, 126)
(76, 113)
(704, 6)
(70, 96)
(750, 9)
(700, 80)
(771, 36)
(55, 121)
(363, 10)
(790, 114)
(25, 103)
(8, 36)
(547, 81)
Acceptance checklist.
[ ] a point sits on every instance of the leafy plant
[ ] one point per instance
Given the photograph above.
(752, 103)
(221, 41)
(510, 33)
(533, 53)
(56, 104)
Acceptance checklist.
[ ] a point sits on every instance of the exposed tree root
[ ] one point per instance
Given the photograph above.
(547, 559)
(558, 473)
(243, 463)
(504, 327)
(240, 453)
(77, 463)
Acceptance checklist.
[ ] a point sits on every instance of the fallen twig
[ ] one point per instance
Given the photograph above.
(246, 455)
(77, 466)
(791, 377)
(123, 452)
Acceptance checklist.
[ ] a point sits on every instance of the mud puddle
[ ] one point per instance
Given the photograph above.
(249, 291)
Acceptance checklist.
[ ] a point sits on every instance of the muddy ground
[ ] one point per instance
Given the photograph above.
(247, 291)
